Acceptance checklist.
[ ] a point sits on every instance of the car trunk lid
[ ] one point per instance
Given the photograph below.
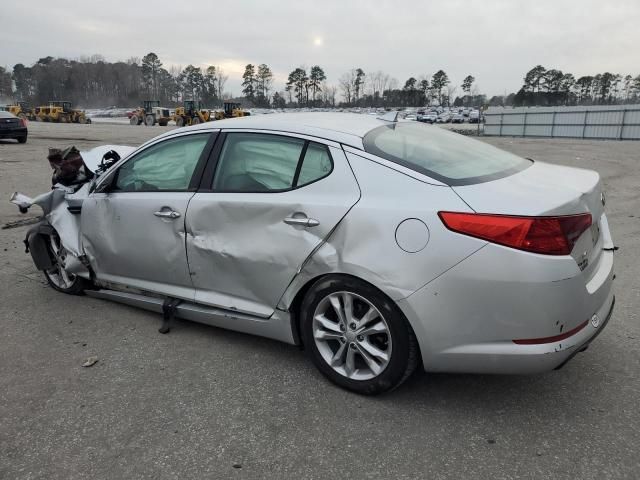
(9, 123)
(547, 190)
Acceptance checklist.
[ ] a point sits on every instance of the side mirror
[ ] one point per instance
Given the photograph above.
(104, 187)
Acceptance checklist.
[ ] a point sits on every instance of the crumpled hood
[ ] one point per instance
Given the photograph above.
(93, 157)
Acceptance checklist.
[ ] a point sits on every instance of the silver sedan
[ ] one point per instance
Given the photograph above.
(379, 245)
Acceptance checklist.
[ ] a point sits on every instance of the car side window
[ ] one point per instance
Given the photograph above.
(256, 162)
(168, 165)
(315, 165)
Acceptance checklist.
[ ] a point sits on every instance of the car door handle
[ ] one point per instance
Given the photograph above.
(167, 214)
(303, 221)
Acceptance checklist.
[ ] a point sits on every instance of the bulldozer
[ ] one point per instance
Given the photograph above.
(191, 113)
(59, 112)
(231, 110)
(19, 109)
(150, 113)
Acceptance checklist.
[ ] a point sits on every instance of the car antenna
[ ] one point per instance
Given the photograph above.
(389, 117)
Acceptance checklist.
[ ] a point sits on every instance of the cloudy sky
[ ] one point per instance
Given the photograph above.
(496, 41)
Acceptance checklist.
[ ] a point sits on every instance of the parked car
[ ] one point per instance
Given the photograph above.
(444, 117)
(474, 116)
(457, 118)
(359, 238)
(429, 117)
(13, 127)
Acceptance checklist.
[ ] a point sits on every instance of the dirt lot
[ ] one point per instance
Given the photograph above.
(208, 403)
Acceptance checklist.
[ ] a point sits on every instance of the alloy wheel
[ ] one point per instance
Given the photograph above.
(352, 335)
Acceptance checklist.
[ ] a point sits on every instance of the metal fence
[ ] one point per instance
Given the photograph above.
(619, 122)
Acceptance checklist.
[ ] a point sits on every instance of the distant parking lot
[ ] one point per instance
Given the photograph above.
(207, 403)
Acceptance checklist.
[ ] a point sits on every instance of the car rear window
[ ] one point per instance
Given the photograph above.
(445, 156)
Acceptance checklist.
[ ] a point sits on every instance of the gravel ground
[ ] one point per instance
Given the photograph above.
(207, 403)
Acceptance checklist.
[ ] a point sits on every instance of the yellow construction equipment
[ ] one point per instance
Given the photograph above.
(231, 110)
(59, 112)
(150, 113)
(191, 113)
(19, 109)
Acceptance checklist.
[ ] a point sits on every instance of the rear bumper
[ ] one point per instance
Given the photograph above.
(467, 319)
(510, 358)
(13, 133)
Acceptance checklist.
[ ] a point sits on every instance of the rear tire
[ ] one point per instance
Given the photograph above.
(150, 120)
(134, 120)
(56, 276)
(195, 121)
(356, 336)
(22, 139)
(179, 122)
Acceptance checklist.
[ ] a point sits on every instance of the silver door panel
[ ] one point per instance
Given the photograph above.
(127, 243)
(243, 249)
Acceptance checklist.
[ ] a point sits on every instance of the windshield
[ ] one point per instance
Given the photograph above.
(446, 156)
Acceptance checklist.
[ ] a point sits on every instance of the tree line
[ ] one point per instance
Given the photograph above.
(553, 87)
(94, 82)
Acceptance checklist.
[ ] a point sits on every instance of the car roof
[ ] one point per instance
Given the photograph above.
(345, 128)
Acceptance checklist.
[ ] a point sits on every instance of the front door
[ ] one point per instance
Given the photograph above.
(134, 232)
(273, 200)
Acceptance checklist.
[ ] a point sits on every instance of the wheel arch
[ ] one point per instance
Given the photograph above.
(35, 240)
(295, 305)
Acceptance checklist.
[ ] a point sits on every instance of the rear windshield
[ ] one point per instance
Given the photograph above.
(446, 156)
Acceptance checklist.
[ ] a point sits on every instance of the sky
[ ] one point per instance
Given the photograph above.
(496, 41)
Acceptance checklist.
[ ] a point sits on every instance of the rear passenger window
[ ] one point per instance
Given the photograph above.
(256, 162)
(315, 165)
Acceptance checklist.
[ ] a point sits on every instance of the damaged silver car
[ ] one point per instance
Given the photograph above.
(379, 245)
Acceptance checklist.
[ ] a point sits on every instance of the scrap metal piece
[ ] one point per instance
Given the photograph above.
(90, 362)
(22, 222)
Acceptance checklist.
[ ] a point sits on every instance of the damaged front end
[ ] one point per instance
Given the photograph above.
(57, 237)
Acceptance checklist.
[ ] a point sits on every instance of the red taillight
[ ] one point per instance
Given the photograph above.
(23, 122)
(547, 235)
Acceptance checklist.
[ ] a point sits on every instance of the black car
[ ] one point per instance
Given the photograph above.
(13, 127)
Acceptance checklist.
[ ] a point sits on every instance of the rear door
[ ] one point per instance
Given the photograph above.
(133, 231)
(273, 199)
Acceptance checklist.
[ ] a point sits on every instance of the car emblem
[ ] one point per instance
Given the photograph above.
(603, 199)
(595, 321)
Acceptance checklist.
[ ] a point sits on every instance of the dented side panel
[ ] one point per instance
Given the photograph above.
(367, 244)
(127, 243)
(241, 252)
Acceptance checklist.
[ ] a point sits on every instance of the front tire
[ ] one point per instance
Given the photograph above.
(57, 277)
(356, 336)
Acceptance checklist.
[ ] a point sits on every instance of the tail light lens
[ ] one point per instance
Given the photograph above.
(546, 235)
(23, 122)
